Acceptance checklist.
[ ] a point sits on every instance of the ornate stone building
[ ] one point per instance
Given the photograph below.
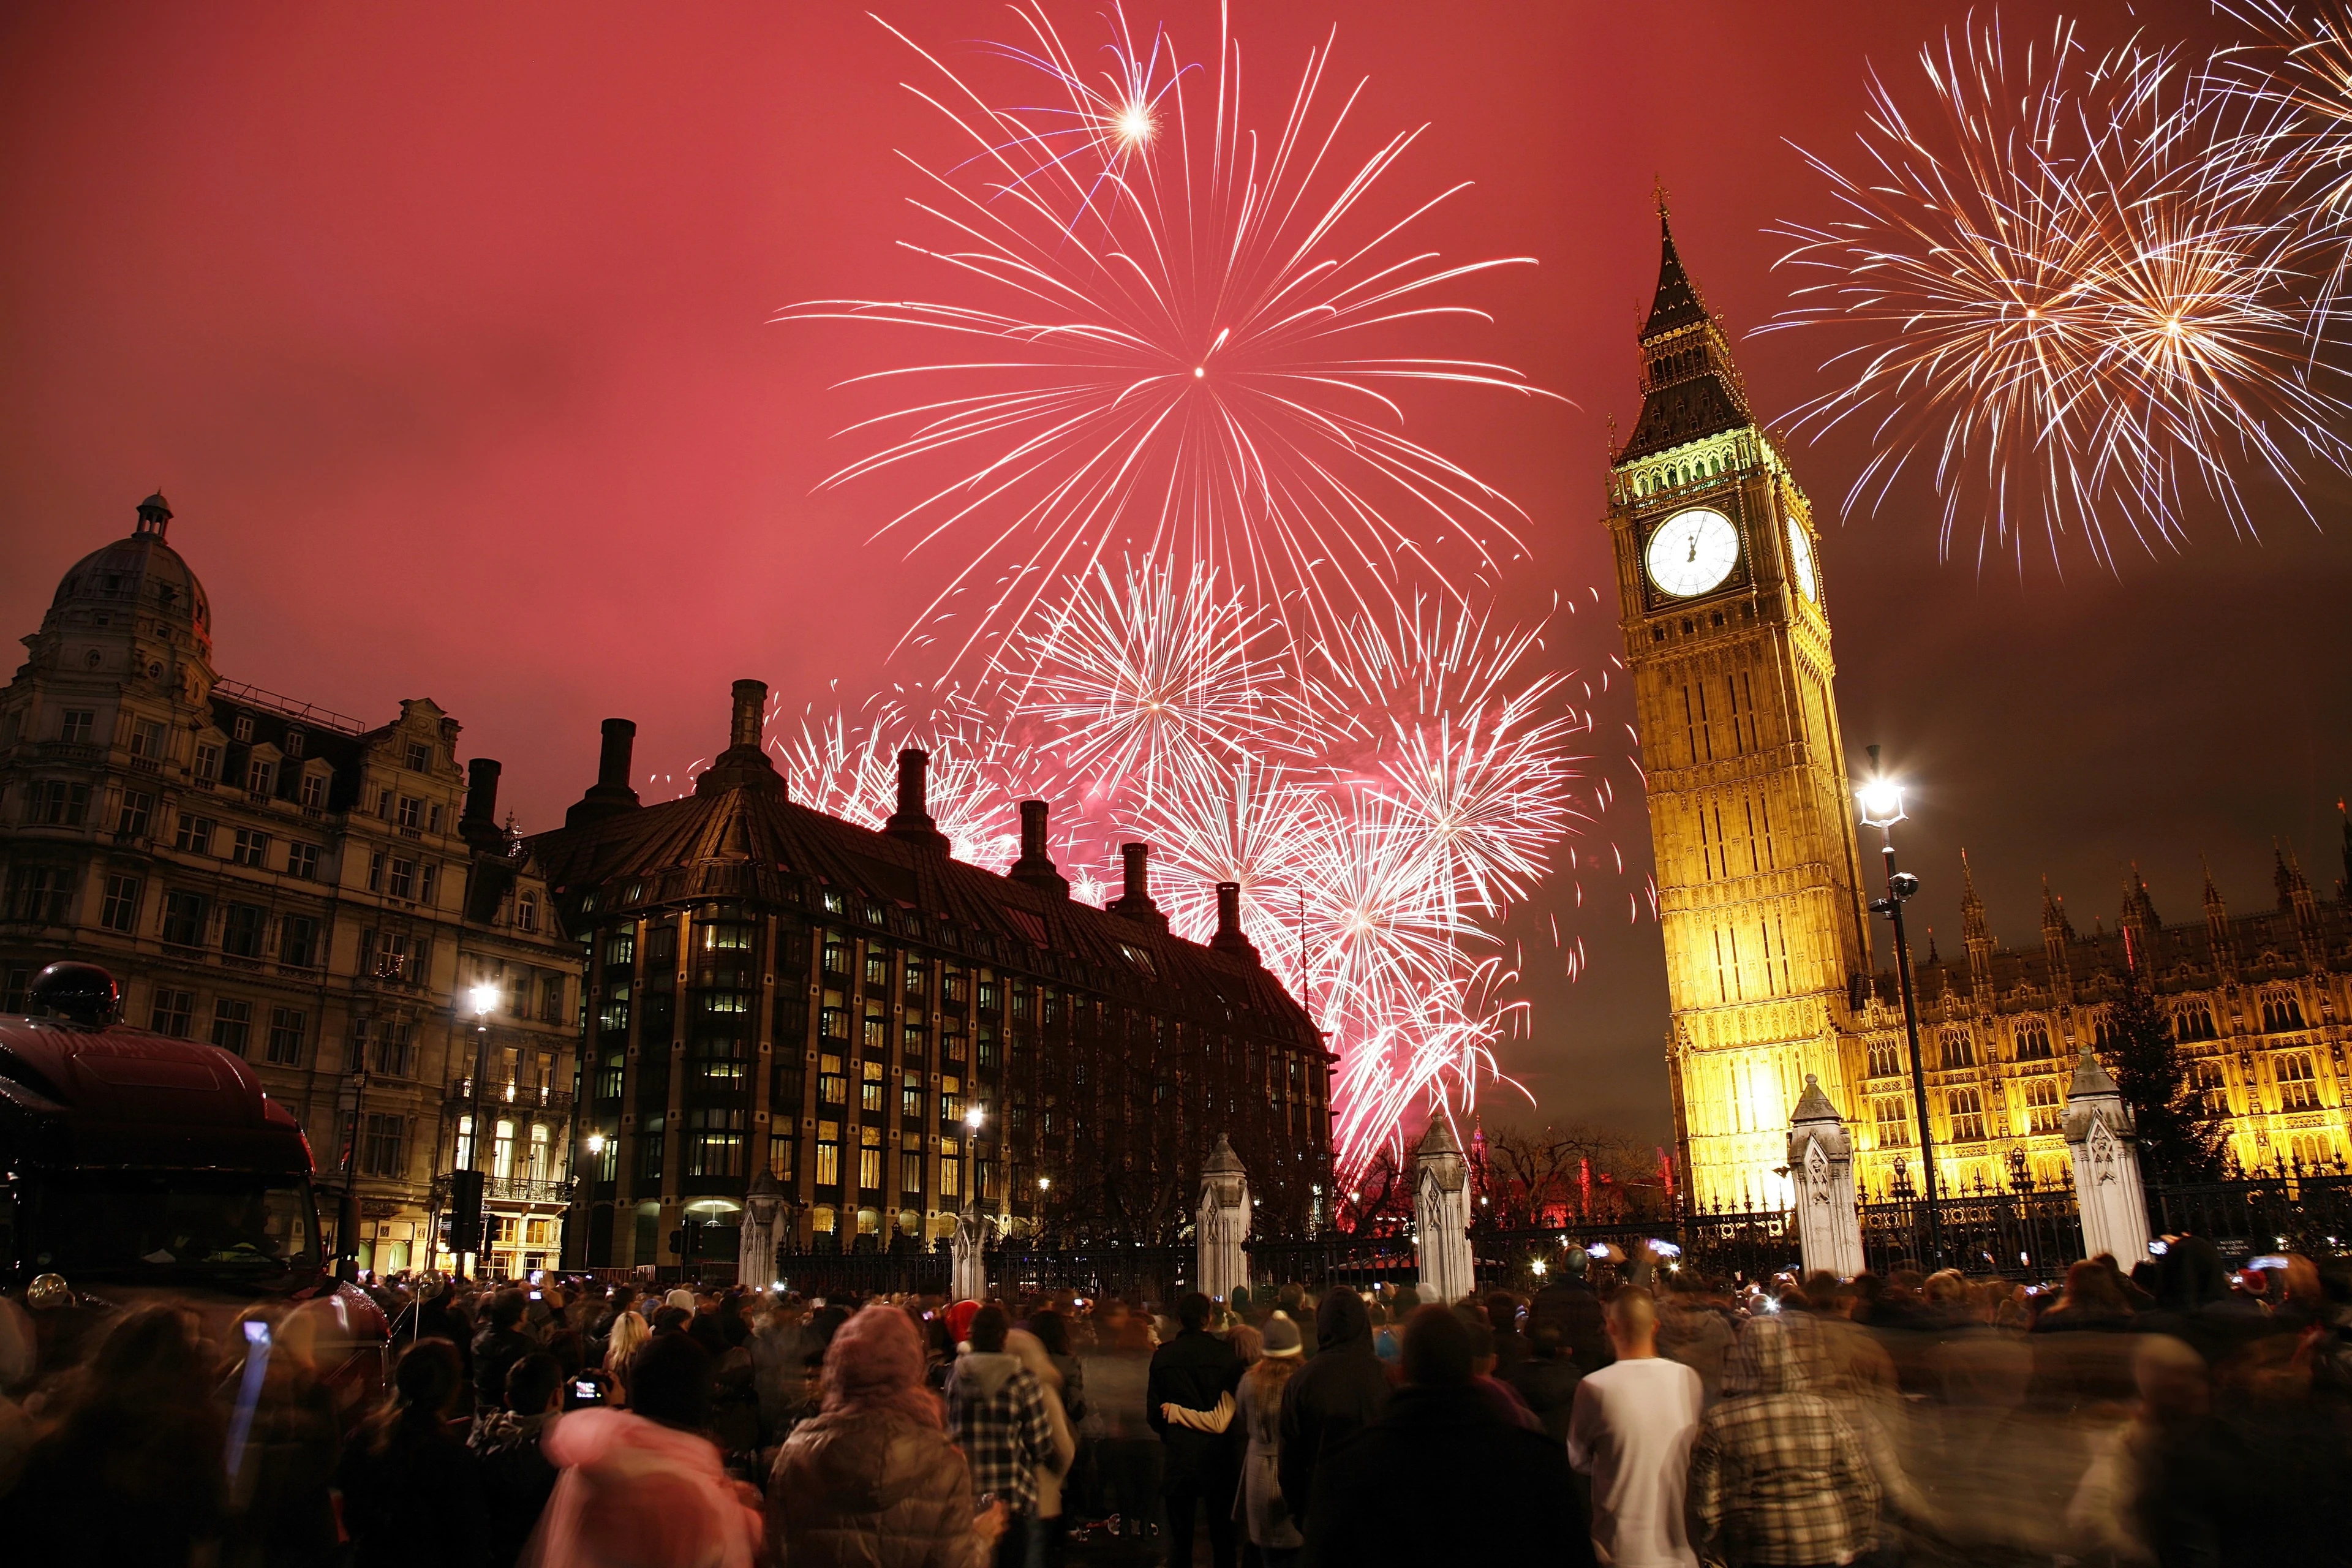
(317, 896)
(894, 1035)
(1761, 888)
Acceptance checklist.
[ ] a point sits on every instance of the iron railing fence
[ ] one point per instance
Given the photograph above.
(2257, 1214)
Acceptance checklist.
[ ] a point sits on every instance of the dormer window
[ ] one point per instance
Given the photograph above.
(208, 761)
(293, 742)
(314, 790)
(242, 730)
(420, 757)
(261, 775)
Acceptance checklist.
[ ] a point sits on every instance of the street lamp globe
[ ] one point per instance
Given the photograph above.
(482, 998)
(596, 1142)
(1882, 802)
(973, 1118)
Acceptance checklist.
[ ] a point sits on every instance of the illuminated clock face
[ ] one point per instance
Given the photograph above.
(1692, 551)
(1800, 558)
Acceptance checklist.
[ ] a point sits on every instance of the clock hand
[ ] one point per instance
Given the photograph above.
(1693, 558)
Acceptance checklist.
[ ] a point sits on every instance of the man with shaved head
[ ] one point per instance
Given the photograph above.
(1631, 1431)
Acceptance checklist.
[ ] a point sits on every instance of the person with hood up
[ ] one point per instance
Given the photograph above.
(1442, 1477)
(1777, 1476)
(997, 1409)
(1336, 1395)
(1046, 1540)
(872, 1480)
(645, 1487)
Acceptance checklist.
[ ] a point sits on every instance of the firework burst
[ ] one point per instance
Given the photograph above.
(2074, 306)
(1190, 342)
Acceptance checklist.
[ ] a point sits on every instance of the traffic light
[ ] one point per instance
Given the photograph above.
(464, 1211)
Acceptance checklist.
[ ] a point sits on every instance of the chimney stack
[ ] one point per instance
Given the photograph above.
(744, 763)
(1035, 867)
(751, 708)
(912, 820)
(613, 759)
(611, 792)
(1135, 901)
(478, 823)
(1229, 937)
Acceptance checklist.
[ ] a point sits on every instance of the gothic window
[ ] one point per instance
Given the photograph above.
(2193, 1021)
(2282, 1013)
(2297, 1089)
(2034, 1042)
(2045, 1107)
(1966, 1111)
(2210, 1080)
(1894, 1121)
(2313, 1151)
(1959, 1049)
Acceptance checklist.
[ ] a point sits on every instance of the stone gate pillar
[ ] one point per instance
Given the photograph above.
(764, 1205)
(1821, 1167)
(1442, 1212)
(1223, 1223)
(969, 1253)
(2105, 1153)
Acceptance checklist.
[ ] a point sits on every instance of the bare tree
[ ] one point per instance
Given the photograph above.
(1566, 1171)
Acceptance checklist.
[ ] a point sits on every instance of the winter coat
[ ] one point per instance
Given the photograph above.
(1571, 1306)
(860, 1489)
(516, 1479)
(1261, 1507)
(1439, 1478)
(1194, 1370)
(636, 1494)
(419, 1484)
(1547, 1386)
(1338, 1394)
(495, 1353)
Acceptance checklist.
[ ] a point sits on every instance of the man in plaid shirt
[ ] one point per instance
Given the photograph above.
(1777, 1478)
(998, 1414)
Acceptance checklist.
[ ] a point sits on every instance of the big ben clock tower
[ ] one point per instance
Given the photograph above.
(1727, 641)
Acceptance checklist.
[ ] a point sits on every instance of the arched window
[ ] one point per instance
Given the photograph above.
(1967, 1109)
(2297, 1089)
(1959, 1052)
(2034, 1041)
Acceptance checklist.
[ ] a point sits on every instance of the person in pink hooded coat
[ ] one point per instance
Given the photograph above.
(873, 1480)
(643, 1488)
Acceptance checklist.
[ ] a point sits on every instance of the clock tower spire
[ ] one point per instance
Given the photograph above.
(1727, 641)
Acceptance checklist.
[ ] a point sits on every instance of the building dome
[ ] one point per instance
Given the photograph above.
(143, 574)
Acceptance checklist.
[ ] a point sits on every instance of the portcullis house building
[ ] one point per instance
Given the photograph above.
(894, 1035)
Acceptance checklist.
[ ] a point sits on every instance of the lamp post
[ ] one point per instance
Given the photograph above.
(481, 998)
(347, 1210)
(973, 1118)
(1881, 799)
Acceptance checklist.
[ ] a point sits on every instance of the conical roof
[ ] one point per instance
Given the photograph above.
(1676, 302)
(1813, 1105)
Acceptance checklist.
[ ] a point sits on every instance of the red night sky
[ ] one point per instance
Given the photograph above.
(445, 328)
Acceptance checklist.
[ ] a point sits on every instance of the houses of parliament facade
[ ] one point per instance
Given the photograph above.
(1763, 888)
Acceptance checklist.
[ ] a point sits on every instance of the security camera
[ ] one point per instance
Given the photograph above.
(1903, 884)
